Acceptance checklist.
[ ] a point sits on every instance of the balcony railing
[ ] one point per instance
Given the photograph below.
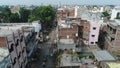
(109, 32)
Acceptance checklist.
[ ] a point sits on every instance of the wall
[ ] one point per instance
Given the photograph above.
(94, 39)
(114, 14)
(71, 32)
(3, 42)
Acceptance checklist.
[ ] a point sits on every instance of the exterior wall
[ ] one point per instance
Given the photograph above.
(114, 14)
(12, 51)
(3, 42)
(62, 13)
(86, 30)
(112, 45)
(71, 32)
(37, 26)
(94, 33)
(72, 12)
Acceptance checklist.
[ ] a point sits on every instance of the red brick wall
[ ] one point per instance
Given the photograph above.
(68, 31)
(3, 42)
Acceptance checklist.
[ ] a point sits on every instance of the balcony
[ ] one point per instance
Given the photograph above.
(109, 41)
(109, 32)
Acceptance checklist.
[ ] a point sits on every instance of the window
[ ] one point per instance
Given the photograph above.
(19, 55)
(11, 48)
(21, 39)
(25, 59)
(112, 39)
(96, 42)
(93, 35)
(23, 51)
(114, 31)
(17, 42)
(94, 28)
(92, 42)
(14, 62)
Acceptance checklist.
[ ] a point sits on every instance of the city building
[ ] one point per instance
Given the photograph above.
(112, 37)
(102, 56)
(115, 13)
(90, 32)
(67, 36)
(110, 65)
(13, 44)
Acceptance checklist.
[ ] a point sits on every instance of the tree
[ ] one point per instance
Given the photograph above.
(14, 18)
(24, 14)
(105, 14)
(5, 14)
(45, 14)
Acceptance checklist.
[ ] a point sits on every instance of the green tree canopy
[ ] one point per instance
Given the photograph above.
(5, 14)
(105, 14)
(14, 18)
(24, 14)
(45, 14)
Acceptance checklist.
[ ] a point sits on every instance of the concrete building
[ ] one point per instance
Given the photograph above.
(94, 33)
(102, 56)
(67, 36)
(115, 13)
(70, 31)
(90, 32)
(13, 43)
(112, 40)
(13, 40)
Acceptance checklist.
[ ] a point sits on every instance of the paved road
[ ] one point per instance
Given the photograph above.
(44, 51)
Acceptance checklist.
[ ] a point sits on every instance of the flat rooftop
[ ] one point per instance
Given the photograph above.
(66, 41)
(3, 53)
(113, 64)
(4, 32)
(114, 22)
(66, 60)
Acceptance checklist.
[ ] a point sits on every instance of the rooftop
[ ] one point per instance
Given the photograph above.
(113, 65)
(66, 44)
(66, 60)
(3, 53)
(4, 33)
(103, 55)
(66, 41)
(114, 22)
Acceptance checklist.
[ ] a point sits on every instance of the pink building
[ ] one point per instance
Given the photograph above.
(94, 33)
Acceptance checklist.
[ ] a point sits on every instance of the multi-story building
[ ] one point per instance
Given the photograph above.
(94, 33)
(14, 43)
(13, 40)
(67, 36)
(115, 13)
(90, 32)
(112, 39)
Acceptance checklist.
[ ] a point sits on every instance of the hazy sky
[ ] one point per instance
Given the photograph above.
(55, 2)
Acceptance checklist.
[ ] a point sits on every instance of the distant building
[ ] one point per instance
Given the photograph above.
(115, 13)
(15, 9)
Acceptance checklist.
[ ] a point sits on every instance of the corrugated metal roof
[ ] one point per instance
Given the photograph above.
(66, 46)
(103, 55)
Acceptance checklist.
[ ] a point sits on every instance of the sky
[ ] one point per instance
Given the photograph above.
(58, 2)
